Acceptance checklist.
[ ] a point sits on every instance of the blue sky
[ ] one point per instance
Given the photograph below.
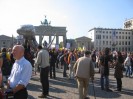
(79, 16)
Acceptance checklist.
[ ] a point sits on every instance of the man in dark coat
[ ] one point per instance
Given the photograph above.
(104, 61)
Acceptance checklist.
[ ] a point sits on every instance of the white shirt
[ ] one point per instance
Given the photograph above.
(21, 73)
(42, 59)
(127, 61)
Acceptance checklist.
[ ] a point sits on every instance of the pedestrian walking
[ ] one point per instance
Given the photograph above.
(84, 70)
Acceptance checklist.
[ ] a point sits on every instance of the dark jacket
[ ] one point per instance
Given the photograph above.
(104, 60)
(119, 68)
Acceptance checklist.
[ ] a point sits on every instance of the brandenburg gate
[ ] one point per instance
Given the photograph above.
(45, 29)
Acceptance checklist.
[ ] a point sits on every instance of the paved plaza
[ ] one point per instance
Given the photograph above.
(64, 88)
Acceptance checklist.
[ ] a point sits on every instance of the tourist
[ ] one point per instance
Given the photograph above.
(127, 64)
(105, 59)
(53, 58)
(42, 60)
(20, 74)
(84, 70)
(119, 70)
(71, 61)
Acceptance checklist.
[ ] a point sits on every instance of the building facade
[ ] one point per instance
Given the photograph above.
(72, 43)
(6, 41)
(115, 39)
(45, 29)
(83, 42)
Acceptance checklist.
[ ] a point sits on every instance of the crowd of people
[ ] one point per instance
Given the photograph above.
(17, 63)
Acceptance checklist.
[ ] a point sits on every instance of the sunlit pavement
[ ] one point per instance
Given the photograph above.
(64, 88)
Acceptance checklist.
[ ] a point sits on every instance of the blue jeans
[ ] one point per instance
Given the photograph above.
(131, 70)
(104, 81)
(94, 64)
(128, 71)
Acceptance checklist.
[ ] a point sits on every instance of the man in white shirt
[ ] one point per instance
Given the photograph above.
(20, 74)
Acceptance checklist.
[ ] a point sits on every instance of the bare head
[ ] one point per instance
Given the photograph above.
(18, 51)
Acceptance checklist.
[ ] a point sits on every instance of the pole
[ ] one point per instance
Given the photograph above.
(51, 41)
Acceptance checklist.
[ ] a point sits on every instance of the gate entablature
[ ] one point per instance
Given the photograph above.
(45, 29)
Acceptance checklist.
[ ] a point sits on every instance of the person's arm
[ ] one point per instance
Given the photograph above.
(0, 77)
(18, 87)
(125, 62)
(8, 84)
(38, 60)
(75, 66)
(1, 62)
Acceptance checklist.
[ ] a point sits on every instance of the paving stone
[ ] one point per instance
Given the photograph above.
(64, 88)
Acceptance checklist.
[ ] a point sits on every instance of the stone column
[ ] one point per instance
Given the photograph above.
(86, 45)
(40, 39)
(50, 39)
(57, 39)
(64, 40)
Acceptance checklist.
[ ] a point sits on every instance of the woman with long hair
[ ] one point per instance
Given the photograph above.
(118, 74)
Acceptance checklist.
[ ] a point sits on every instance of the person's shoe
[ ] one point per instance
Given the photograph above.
(108, 90)
(47, 95)
(118, 90)
(86, 98)
(42, 96)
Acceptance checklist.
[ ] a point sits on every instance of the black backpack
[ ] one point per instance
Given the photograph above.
(6, 67)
